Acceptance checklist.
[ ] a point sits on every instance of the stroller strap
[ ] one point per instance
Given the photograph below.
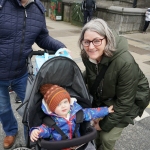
(52, 124)
(79, 119)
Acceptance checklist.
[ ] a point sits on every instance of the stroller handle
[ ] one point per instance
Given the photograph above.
(57, 145)
(39, 52)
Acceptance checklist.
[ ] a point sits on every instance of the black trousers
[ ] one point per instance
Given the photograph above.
(146, 25)
(87, 16)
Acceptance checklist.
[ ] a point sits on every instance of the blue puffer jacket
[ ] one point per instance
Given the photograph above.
(20, 27)
(67, 125)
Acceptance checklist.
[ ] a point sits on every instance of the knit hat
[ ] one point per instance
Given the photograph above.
(53, 95)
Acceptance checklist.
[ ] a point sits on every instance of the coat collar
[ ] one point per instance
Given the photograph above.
(2, 3)
(104, 61)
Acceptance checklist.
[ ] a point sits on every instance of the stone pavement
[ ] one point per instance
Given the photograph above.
(134, 137)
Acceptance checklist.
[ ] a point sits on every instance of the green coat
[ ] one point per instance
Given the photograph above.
(124, 86)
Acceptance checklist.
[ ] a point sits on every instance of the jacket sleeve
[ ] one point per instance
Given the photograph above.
(147, 14)
(94, 113)
(45, 131)
(127, 81)
(45, 41)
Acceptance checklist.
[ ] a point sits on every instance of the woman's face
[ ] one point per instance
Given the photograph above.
(96, 44)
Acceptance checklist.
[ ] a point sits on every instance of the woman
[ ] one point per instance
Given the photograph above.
(123, 85)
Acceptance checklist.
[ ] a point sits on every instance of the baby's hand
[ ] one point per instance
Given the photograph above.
(34, 135)
(110, 109)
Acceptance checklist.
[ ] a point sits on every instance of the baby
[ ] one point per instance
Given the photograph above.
(62, 109)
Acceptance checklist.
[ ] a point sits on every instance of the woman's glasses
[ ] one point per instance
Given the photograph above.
(95, 42)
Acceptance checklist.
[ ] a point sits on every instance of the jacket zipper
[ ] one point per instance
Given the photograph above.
(101, 86)
(70, 128)
(96, 68)
(101, 83)
(25, 13)
(69, 122)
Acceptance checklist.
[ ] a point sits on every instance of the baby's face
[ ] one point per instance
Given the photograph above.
(63, 108)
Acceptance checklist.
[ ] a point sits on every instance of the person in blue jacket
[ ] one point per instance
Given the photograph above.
(58, 104)
(88, 7)
(22, 23)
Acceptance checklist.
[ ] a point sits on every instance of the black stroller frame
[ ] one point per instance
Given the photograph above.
(64, 72)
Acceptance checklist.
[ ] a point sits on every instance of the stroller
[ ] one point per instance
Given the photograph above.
(64, 72)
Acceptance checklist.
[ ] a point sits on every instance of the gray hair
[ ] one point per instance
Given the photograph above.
(101, 27)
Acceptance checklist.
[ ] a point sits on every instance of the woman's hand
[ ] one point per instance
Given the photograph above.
(34, 135)
(96, 125)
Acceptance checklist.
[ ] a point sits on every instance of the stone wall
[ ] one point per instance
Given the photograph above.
(116, 13)
(122, 19)
(123, 3)
(128, 3)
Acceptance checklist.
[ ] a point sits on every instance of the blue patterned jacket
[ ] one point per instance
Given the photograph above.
(20, 27)
(68, 126)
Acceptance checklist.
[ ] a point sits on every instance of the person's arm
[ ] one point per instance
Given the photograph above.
(45, 41)
(44, 131)
(94, 113)
(146, 13)
(125, 93)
